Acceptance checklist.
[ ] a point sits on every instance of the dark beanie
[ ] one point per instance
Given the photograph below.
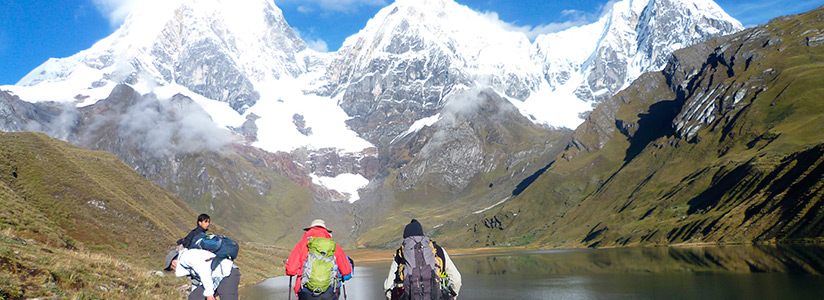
(413, 229)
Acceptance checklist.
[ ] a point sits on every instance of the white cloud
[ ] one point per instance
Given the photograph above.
(318, 45)
(534, 31)
(571, 12)
(305, 9)
(116, 11)
(573, 18)
(333, 5)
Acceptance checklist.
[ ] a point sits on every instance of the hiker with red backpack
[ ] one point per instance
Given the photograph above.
(421, 269)
(319, 264)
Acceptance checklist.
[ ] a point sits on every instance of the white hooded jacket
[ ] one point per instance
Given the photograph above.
(198, 263)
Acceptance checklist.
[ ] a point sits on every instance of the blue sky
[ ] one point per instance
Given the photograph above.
(32, 31)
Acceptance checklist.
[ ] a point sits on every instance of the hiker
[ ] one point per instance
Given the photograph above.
(318, 263)
(223, 281)
(419, 265)
(203, 222)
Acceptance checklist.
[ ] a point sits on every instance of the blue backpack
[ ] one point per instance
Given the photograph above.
(222, 246)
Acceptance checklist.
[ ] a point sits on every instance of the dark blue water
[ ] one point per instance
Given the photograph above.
(734, 272)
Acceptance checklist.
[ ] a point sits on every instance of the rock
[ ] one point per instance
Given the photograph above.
(815, 41)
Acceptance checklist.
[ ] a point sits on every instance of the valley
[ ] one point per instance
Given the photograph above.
(630, 140)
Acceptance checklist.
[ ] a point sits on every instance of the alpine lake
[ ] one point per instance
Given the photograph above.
(711, 272)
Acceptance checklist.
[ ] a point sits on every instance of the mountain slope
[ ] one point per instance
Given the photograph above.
(90, 196)
(469, 157)
(724, 145)
(80, 222)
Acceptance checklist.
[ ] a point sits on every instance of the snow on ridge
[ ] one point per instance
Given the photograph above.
(473, 42)
(346, 184)
(282, 100)
(708, 9)
(569, 56)
(418, 125)
(555, 107)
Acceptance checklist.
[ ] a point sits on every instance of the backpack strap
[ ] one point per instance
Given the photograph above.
(440, 258)
(401, 264)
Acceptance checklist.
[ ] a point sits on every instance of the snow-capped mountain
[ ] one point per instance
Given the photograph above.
(234, 58)
(595, 61)
(215, 48)
(239, 60)
(414, 53)
(250, 72)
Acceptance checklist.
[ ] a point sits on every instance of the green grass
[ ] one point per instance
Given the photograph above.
(36, 270)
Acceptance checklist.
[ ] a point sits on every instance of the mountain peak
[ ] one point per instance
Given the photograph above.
(220, 49)
(397, 70)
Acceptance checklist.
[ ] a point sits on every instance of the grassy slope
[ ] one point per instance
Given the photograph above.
(244, 211)
(91, 195)
(82, 224)
(753, 173)
(33, 269)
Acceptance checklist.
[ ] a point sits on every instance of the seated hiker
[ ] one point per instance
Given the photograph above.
(318, 263)
(419, 265)
(223, 281)
(203, 222)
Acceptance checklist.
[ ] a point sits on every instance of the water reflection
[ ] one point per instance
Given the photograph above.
(792, 259)
(731, 272)
(366, 283)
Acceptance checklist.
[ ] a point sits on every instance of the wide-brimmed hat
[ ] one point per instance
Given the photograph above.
(318, 223)
(169, 258)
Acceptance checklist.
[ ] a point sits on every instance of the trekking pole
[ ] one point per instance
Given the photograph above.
(290, 287)
(343, 286)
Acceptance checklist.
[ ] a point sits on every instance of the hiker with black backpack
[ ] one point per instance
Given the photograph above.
(208, 282)
(319, 264)
(203, 222)
(421, 269)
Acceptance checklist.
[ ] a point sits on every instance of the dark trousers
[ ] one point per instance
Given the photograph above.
(306, 294)
(227, 290)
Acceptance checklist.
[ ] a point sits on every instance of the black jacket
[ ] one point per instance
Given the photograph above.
(188, 240)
